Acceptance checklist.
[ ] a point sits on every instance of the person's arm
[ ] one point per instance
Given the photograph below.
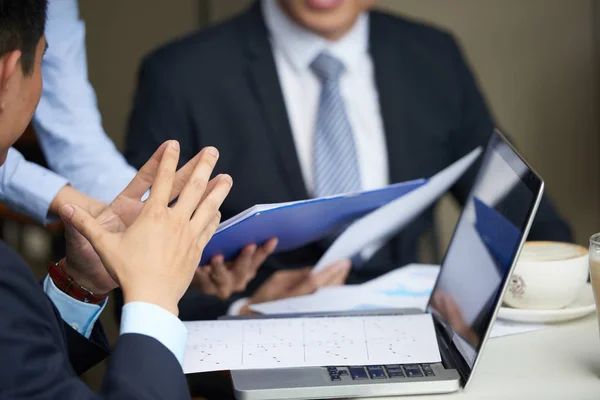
(40, 361)
(32, 190)
(474, 129)
(69, 128)
(28, 188)
(67, 120)
(141, 318)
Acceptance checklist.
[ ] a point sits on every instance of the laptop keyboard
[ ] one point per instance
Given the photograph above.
(377, 372)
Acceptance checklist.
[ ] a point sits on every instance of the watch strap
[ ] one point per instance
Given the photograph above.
(67, 285)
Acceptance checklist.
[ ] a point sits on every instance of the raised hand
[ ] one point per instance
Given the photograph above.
(154, 258)
(81, 262)
(222, 279)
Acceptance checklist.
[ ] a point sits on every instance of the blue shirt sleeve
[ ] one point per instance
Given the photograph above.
(69, 128)
(137, 317)
(28, 188)
(81, 316)
(67, 120)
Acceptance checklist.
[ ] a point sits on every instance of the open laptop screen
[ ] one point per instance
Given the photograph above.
(486, 241)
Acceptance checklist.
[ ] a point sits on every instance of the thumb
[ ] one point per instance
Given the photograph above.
(84, 223)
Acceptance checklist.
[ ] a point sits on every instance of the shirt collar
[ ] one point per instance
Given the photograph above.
(301, 46)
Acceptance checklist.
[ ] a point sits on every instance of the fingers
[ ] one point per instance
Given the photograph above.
(203, 282)
(146, 175)
(305, 283)
(222, 277)
(210, 205)
(84, 223)
(215, 278)
(243, 268)
(333, 275)
(161, 188)
(196, 185)
(264, 251)
(209, 231)
(257, 257)
(182, 176)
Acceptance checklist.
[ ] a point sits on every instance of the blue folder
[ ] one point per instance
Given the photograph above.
(297, 224)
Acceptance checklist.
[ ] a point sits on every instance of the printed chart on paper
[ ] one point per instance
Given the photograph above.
(305, 342)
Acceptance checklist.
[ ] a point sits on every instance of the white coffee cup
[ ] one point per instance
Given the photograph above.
(548, 276)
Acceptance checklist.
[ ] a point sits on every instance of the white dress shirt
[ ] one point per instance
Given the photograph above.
(294, 48)
(69, 128)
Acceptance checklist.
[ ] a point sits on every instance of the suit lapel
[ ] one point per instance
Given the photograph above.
(264, 82)
(391, 80)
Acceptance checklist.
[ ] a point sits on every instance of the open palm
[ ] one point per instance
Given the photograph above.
(82, 263)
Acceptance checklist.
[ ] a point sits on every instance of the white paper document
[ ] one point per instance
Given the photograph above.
(387, 220)
(406, 287)
(309, 342)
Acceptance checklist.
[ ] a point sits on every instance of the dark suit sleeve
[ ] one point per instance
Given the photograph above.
(41, 356)
(473, 129)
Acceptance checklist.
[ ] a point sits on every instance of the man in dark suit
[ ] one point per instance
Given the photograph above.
(305, 98)
(49, 331)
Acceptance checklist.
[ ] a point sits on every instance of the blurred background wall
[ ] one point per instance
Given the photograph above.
(536, 61)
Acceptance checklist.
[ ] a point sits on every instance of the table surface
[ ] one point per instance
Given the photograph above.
(560, 362)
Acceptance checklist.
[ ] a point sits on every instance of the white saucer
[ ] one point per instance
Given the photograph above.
(582, 306)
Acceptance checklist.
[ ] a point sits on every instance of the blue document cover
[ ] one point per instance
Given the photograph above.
(299, 223)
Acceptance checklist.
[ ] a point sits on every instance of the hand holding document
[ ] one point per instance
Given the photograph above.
(387, 220)
(299, 223)
(383, 212)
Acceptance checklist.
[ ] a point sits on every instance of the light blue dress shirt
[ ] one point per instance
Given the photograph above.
(69, 128)
(136, 317)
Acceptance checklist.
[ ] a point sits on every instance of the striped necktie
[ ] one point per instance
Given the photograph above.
(335, 162)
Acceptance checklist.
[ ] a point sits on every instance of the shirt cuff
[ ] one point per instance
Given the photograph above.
(236, 306)
(154, 321)
(79, 315)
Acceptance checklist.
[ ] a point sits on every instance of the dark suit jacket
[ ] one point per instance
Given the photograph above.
(42, 356)
(220, 87)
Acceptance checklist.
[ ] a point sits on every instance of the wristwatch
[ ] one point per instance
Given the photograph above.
(67, 285)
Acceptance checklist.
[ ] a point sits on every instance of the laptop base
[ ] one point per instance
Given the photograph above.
(317, 383)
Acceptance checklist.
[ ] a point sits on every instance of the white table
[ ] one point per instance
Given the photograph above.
(560, 362)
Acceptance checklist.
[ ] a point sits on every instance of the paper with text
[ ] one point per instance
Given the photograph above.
(383, 223)
(309, 342)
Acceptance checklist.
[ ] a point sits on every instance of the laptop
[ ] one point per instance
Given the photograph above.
(465, 300)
